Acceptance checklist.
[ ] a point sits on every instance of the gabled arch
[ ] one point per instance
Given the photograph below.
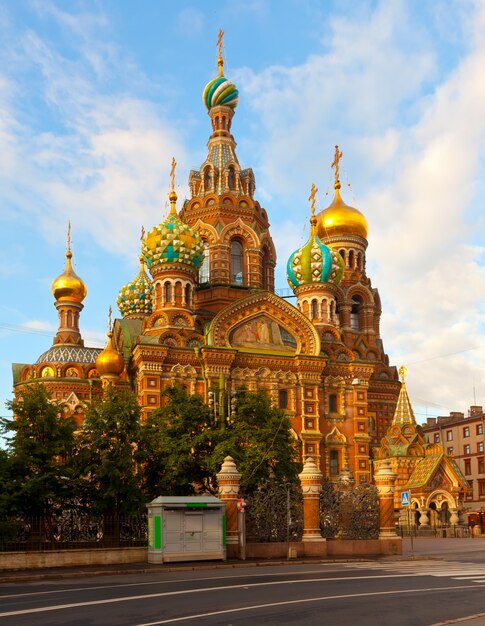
(206, 231)
(272, 307)
(239, 229)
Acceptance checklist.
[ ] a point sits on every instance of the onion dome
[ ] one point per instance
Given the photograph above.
(339, 218)
(220, 91)
(314, 262)
(110, 362)
(136, 297)
(173, 241)
(68, 285)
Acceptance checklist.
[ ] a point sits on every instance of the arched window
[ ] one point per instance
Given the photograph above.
(355, 312)
(167, 292)
(314, 309)
(351, 259)
(207, 179)
(188, 295)
(204, 270)
(237, 266)
(231, 178)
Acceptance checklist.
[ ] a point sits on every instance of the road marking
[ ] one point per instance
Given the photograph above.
(262, 574)
(455, 571)
(73, 605)
(306, 600)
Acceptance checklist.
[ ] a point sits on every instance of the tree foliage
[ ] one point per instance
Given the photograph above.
(106, 461)
(176, 444)
(38, 474)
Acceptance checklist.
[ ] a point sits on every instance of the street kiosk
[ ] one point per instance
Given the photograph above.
(186, 528)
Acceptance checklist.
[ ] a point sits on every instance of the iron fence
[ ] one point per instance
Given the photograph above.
(70, 530)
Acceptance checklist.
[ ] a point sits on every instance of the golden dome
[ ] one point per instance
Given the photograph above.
(68, 286)
(110, 362)
(341, 219)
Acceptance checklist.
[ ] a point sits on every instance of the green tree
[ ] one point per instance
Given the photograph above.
(38, 474)
(107, 445)
(259, 438)
(176, 445)
(183, 445)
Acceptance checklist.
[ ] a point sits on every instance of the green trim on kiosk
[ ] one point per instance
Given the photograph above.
(158, 532)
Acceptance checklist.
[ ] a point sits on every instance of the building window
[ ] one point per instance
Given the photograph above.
(469, 495)
(466, 449)
(314, 309)
(334, 468)
(481, 466)
(449, 451)
(479, 429)
(236, 262)
(283, 399)
(449, 435)
(480, 446)
(468, 467)
(204, 270)
(332, 403)
(481, 488)
(436, 438)
(355, 312)
(466, 431)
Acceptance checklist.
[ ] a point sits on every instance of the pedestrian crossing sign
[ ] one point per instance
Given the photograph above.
(404, 498)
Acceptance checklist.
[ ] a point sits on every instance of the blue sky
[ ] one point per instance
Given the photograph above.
(97, 96)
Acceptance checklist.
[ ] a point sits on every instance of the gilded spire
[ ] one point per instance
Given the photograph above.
(311, 199)
(336, 165)
(68, 286)
(220, 59)
(173, 196)
(404, 413)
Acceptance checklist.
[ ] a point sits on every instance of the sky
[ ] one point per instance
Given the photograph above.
(97, 96)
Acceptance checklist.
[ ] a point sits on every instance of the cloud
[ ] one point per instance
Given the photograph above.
(417, 165)
(101, 163)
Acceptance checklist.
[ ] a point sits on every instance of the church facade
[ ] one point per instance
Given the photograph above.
(203, 312)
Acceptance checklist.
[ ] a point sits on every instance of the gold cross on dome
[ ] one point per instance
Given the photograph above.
(402, 373)
(336, 163)
(172, 173)
(110, 318)
(220, 40)
(142, 236)
(220, 60)
(312, 197)
(69, 236)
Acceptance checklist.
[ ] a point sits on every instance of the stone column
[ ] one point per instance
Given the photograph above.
(228, 480)
(311, 485)
(385, 482)
(424, 519)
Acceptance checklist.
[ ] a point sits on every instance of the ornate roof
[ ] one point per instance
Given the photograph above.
(69, 354)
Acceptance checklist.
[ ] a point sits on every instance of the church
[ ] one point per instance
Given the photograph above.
(202, 312)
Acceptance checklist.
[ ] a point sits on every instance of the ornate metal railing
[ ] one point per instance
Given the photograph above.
(71, 530)
(274, 512)
(349, 512)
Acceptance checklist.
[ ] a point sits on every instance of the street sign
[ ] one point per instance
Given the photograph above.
(404, 498)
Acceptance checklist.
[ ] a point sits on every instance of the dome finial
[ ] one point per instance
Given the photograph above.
(313, 219)
(69, 236)
(220, 59)
(335, 165)
(173, 196)
(110, 319)
(402, 373)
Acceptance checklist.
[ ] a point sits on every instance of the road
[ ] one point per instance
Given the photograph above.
(394, 593)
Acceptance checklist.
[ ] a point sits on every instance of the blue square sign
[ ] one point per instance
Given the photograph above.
(404, 498)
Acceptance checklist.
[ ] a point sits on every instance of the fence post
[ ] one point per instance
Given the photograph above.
(311, 485)
(228, 480)
(385, 482)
